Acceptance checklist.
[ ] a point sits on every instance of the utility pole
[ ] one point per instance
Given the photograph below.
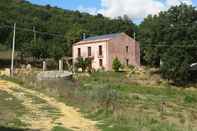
(34, 30)
(13, 49)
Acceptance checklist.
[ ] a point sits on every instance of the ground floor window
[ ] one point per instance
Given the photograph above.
(127, 62)
(79, 52)
(89, 51)
(101, 62)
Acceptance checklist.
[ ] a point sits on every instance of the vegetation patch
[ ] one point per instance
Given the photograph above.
(119, 104)
(59, 128)
(11, 110)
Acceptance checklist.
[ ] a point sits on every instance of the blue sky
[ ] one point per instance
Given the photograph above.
(69, 4)
(135, 9)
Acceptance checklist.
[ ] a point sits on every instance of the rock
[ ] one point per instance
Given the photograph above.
(28, 67)
(50, 75)
(6, 72)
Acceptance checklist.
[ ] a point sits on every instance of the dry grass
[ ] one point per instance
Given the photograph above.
(121, 103)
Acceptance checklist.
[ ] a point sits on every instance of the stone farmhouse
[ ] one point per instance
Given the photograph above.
(105, 48)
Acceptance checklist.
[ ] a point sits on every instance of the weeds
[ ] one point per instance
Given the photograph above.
(190, 99)
(121, 104)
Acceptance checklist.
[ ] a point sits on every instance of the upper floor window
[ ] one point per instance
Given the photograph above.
(127, 49)
(100, 51)
(79, 52)
(89, 51)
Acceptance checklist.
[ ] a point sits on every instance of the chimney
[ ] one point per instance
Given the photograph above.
(84, 36)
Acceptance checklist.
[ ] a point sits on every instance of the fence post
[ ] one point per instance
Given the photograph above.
(60, 65)
(44, 66)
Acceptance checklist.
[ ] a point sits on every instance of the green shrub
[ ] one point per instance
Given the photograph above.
(58, 128)
(116, 65)
(131, 67)
(84, 63)
(190, 99)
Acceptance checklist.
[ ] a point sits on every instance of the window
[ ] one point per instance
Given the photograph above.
(127, 49)
(89, 51)
(127, 62)
(101, 62)
(100, 51)
(79, 52)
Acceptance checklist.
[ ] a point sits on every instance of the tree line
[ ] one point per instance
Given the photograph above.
(168, 40)
(69, 24)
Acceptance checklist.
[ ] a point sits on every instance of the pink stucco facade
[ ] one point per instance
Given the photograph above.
(122, 46)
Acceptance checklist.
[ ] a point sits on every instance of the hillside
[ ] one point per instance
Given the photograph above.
(114, 101)
(69, 24)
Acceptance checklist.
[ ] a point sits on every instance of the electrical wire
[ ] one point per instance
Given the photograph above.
(31, 30)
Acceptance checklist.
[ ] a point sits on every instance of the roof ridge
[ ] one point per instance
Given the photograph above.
(100, 37)
(105, 34)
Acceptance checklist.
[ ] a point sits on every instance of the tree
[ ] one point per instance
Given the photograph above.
(39, 49)
(56, 49)
(56, 52)
(116, 65)
(171, 37)
(176, 65)
(62, 28)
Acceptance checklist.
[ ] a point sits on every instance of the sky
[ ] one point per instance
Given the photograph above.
(135, 9)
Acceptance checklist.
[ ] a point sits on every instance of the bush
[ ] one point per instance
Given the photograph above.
(84, 63)
(190, 99)
(116, 65)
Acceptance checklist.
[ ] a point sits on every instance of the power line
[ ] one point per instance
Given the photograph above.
(176, 46)
(30, 30)
(57, 35)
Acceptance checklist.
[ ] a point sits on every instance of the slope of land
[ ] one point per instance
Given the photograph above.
(120, 101)
(43, 112)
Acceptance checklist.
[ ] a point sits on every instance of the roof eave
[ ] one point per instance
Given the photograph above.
(90, 41)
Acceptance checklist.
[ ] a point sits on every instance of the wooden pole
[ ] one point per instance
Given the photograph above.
(13, 50)
(34, 30)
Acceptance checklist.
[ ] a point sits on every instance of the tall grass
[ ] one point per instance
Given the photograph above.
(122, 105)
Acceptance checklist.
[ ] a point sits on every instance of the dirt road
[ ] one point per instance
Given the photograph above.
(46, 112)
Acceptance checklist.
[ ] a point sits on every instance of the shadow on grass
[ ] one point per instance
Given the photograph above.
(15, 129)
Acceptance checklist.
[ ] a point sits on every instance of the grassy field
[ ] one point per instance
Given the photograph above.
(132, 107)
(121, 104)
(23, 109)
(8, 104)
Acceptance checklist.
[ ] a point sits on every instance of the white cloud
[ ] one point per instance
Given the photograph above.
(177, 2)
(132, 8)
(92, 11)
(135, 9)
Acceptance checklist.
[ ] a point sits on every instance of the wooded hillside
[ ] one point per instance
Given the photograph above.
(68, 25)
(169, 41)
